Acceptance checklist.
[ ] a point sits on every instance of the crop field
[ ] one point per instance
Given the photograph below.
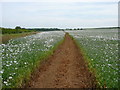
(60, 44)
(20, 56)
(100, 47)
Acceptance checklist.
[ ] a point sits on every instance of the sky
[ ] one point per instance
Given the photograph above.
(58, 13)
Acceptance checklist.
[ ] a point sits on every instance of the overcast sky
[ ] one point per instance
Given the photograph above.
(59, 13)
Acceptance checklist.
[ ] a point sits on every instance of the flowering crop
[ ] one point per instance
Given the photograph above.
(20, 56)
(101, 49)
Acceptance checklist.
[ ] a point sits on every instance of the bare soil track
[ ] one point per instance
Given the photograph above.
(66, 68)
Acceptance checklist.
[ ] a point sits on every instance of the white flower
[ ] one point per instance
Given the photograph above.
(1, 72)
(15, 61)
(10, 77)
(5, 82)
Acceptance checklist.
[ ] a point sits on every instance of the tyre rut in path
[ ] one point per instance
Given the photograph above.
(64, 69)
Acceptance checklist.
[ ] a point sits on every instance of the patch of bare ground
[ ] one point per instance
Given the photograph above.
(66, 68)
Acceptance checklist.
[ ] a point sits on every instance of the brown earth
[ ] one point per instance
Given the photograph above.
(6, 37)
(66, 68)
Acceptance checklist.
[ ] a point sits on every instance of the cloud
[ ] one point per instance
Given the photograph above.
(63, 15)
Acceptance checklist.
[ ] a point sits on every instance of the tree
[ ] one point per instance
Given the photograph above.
(17, 27)
(81, 29)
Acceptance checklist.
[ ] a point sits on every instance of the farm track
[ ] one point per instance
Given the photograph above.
(66, 68)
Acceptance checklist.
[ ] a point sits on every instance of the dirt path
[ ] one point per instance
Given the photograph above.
(64, 69)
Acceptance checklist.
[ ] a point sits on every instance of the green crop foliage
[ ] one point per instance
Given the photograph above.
(100, 48)
(21, 56)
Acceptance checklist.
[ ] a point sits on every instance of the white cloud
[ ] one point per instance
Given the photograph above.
(63, 15)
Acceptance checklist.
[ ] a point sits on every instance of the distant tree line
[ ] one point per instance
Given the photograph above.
(107, 28)
(17, 29)
(45, 29)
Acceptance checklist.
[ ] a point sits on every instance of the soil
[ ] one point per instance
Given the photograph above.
(66, 68)
(6, 37)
